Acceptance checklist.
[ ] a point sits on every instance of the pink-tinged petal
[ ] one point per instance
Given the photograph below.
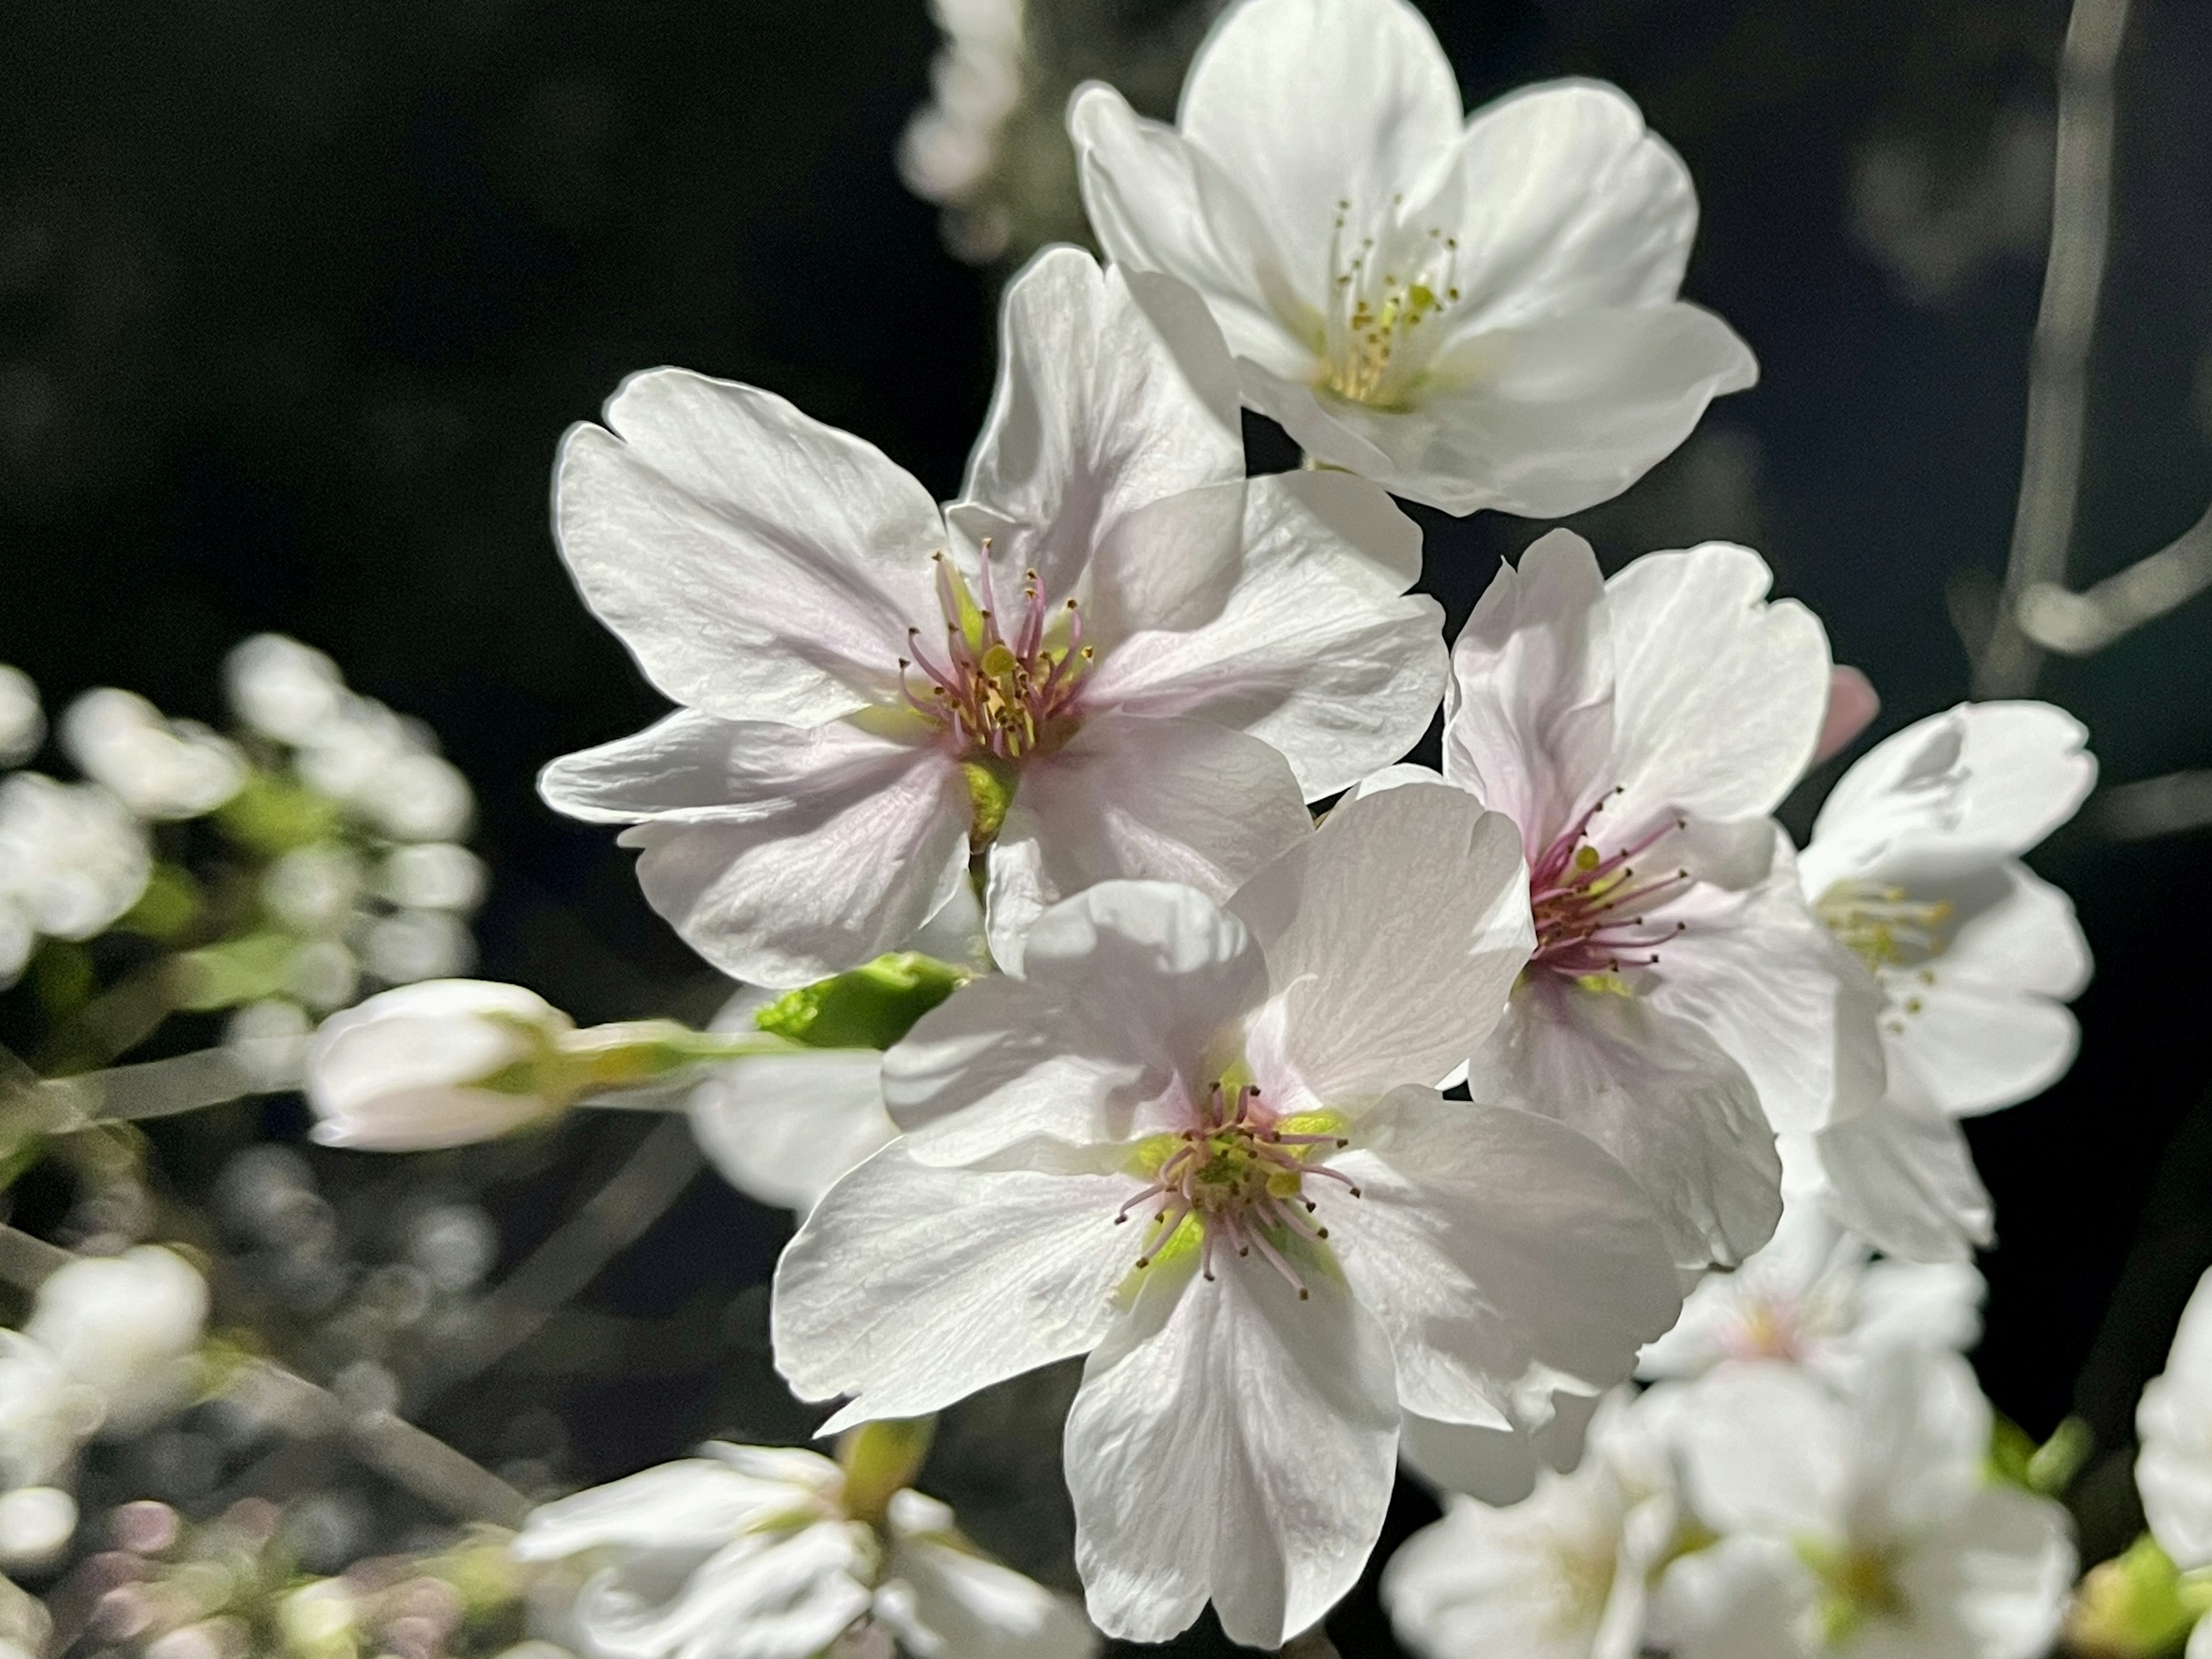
(1230, 1441)
(759, 564)
(1128, 985)
(1543, 420)
(1114, 395)
(1159, 203)
(1719, 692)
(1392, 935)
(1319, 650)
(1528, 715)
(1852, 704)
(781, 854)
(1180, 800)
(1562, 203)
(1311, 104)
(1490, 1241)
(910, 1287)
(1657, 1093)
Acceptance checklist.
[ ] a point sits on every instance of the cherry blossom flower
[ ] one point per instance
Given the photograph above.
(1860, 1526)
(1815, 1296)
(1639, 730)
(2174, 1425)
(127, 1327)
(160, 769)
(1111, 658)
(1969, 957)
(73, 861)
(1562, 1574)
(1199, 1145)
(1471, 312)
(757, 1553)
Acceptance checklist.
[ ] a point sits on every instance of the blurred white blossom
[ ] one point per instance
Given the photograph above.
(36, 1524)
(948, 150)
(46, 1414)
(2174, 1423)
(284, 689)
(161, 768)
(73, 861)
(433, 876)
(128, 1326)
(752, 1553)
(22, 723)
(1471, 310)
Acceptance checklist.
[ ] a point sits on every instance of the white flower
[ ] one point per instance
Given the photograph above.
(1968, 957)
(160, 769)
(443, 1063)
(127, 1326)
(36, 1524)
(1199, 1144)
(750, 1553)
(1111, 659)
(1476, 312)
(282, 689)
(1816, 1296)
(1638, 730)
(46, 1414)
(73, 861)
(1863, 1526)
(2174, 1424)
(1563, 1574)
(23, 725)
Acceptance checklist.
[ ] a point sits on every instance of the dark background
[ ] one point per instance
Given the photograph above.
(297, 297)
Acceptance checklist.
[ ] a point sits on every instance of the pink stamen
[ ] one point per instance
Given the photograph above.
(1591, 909)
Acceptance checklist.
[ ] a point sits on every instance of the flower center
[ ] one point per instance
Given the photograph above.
(1591, 907)
(1858, 1584)
(1884, 926)
(1767, 1330)
(1239, 1176)
(1006, 686)
(1372, 349)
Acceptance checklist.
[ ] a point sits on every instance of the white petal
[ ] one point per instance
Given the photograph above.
(1529, 721)
(910, 1287)
(1543, 420)
(1720, 693)
(766, 1595)
(782, 1127)
(1999, 1576)
(1973, 785)
(2015, 930)
(1498, 1465)
(979, 1609)
(1230, 1442)
(1562, 202)
(1768, 1449)
(1160, 203)
(1904, 1179)
(1319, 651)
(1743, 1598)
(1095, 420)
(1167, 800)
(2174, 1424)
(781, 854)
(760, 564)
(1488, 1241)
(696, 1503)
(1128, 984)
(1658, 1094)
(1308, 104)
(1920, 1435)
(1391, 934)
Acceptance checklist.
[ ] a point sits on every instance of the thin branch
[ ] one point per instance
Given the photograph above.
(184, 1083)
(2080, 226)
(609, 1222)
(2155, 806)
(423, 1464)
(2076, 624)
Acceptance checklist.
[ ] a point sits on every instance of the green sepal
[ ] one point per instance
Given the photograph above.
(236, 970)
(275, 815)
(873, 1006)
(170, 904)
(2136, 1605)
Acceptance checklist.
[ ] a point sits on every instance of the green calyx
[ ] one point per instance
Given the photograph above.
(2137, 1606)
(872, 1006)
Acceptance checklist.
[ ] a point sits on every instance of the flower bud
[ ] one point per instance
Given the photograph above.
(127, 1326)
(444, 1063)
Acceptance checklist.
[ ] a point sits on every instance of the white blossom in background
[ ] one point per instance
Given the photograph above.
(2173, 1423)
(443, 1063)
(46, 1414)
(161, 768)
(946, 153)
(1472, 312)
(22, 722)
(73, 861)
(1815, 1296)
(127, 1327)
(1969, 957)
(1639, 732)
(1201, 1145)
(1859, 1525)
(1564, 1573)
(1112, 658)
(750, 1553)
(36, 1525)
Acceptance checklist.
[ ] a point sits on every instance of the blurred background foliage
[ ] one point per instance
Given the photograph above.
(296, 299)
